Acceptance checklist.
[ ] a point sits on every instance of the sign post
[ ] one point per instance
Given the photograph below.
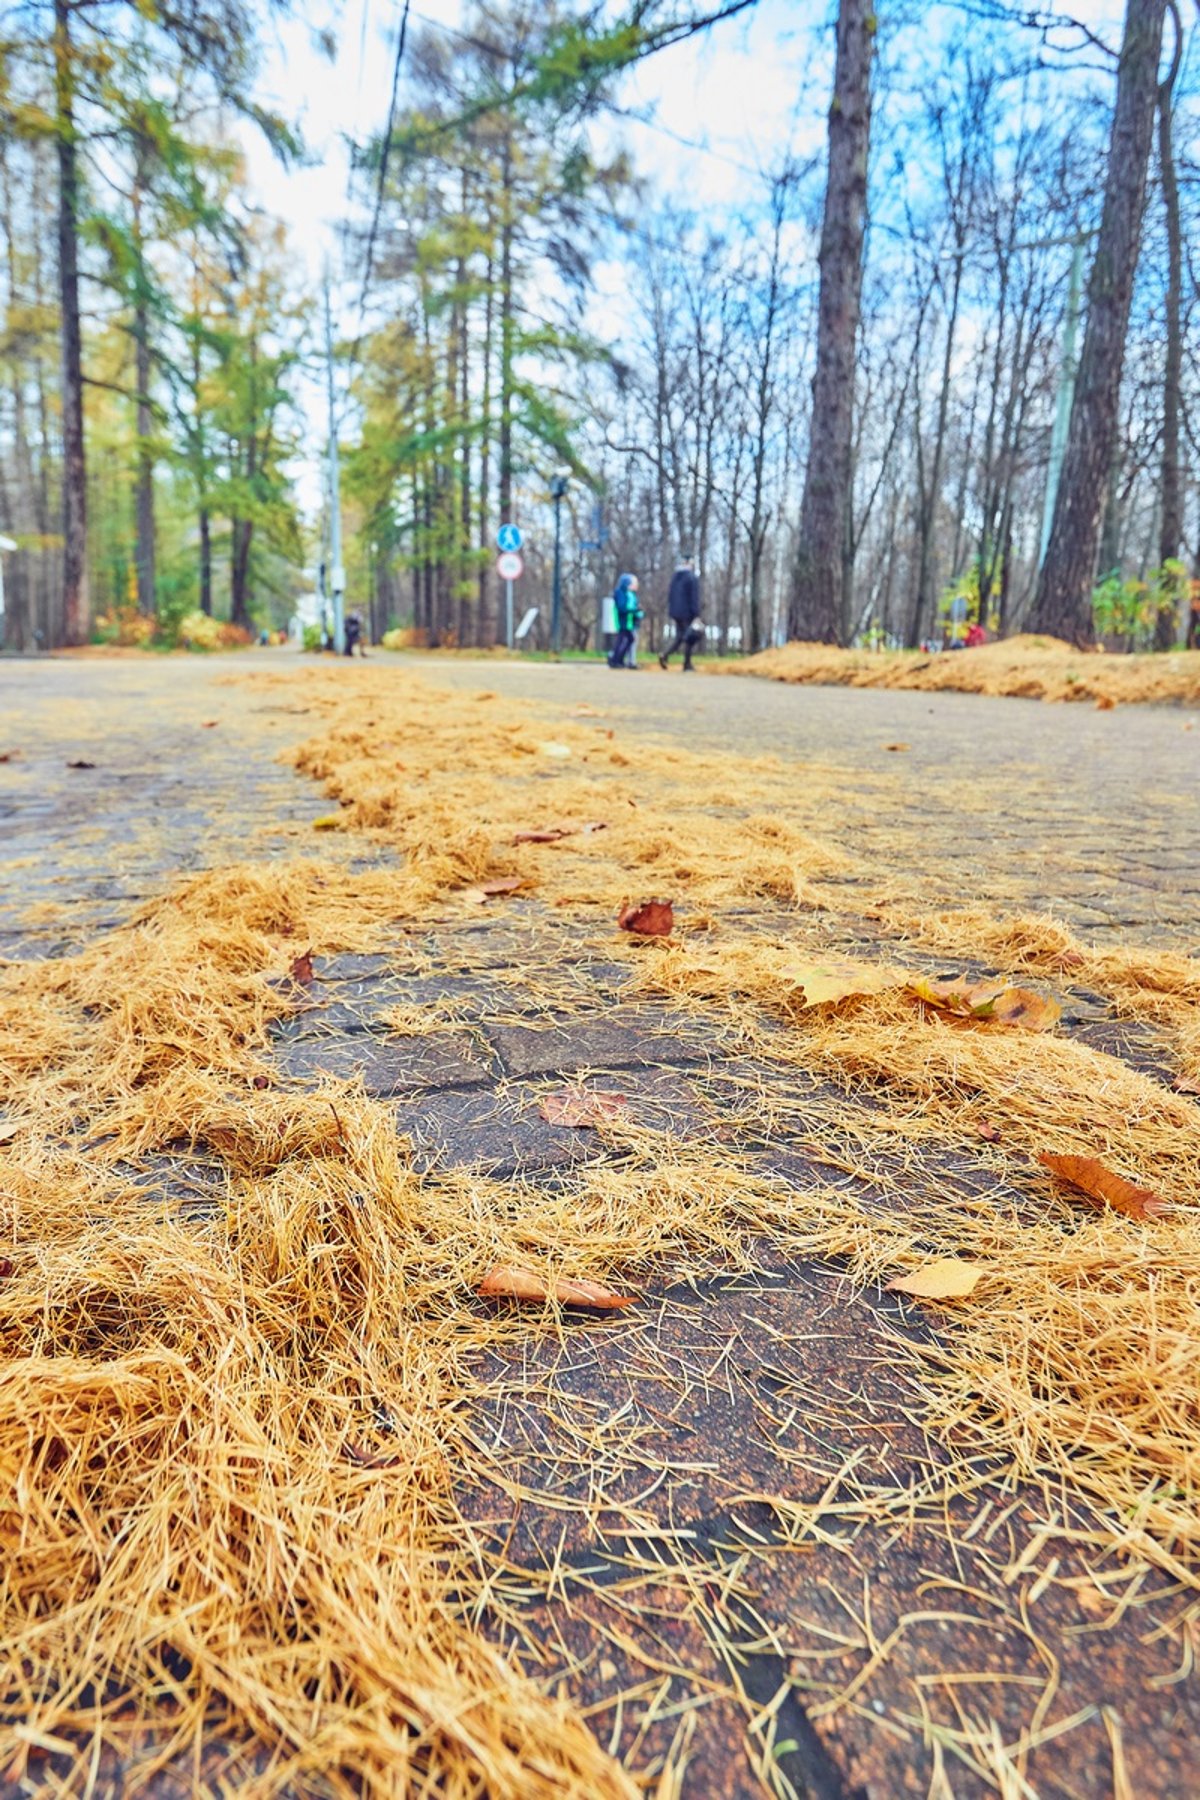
(509, 567)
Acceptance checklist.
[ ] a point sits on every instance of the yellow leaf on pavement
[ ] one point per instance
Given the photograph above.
(840, 979)
(945, 1279)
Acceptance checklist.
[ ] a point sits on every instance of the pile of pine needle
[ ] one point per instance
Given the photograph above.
(232, 1442)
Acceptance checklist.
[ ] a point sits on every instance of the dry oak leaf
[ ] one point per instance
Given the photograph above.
(839, 979)
(1103, 1186)
(649, 918)
(80, 763)
(988, 1000)
(1186, 1084)
(580, 1107)
(1105, 703)
(988, 1132)
(550, 834)
(512, 1281)
(897, 746)
(492, 890)
(945, 1279)
(302, 968)
(9, 755)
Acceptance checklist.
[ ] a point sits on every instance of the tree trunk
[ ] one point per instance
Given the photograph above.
(1063, 605)
(1166, 624)
(923, 613)
(76, 608)
(487, 620)
(145, 548)
(506, 339)
(817, 603)
(205, 563)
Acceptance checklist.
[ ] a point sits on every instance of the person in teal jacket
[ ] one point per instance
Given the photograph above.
(623, 654)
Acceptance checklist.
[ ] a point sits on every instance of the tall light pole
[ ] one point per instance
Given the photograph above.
(558, 487)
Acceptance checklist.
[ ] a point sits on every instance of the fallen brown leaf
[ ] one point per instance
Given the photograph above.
(897, 746)
(6, 1267)
(987, 1000)
(302, 968)
(1186, 1084)
(260, 1082)
(581, 1106)
(550, 834)
(1103, 1186)
(649, 918)
(207, 724)
(512, 1281)
(988, 1132)
(1105, 703)
(9, 755)
(80, 762)
(945, 1279)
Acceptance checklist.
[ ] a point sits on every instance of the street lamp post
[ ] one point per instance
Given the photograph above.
(558, 488)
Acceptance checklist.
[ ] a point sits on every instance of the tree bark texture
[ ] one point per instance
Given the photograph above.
(76, 608)
(817, 600)
(1166, 624)
(1063, 604)
(145, 554)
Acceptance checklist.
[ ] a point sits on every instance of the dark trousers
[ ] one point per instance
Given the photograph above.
(620, 651)
(686, 639)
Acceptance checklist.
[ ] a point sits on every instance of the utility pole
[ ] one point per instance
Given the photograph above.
(1066, 396)
(336, 574)
(558, 488)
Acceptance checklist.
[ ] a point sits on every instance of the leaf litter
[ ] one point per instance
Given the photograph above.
(235, 1358)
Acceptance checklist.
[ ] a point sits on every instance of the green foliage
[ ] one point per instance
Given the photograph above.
(1128, 607)
(966, 587)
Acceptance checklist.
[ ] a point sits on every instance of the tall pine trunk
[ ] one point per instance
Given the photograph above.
(1063, 603)
(76, 607)
(818, 600)
(145, 547)
(1166, 625)
(487, 619)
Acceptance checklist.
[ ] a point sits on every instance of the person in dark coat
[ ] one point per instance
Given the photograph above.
(629, 617)
(683, 607)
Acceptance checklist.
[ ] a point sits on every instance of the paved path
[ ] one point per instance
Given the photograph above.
(734, 1386)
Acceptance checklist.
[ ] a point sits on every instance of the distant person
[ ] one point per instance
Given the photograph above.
(353, 631)
(683, 609)
(629, 616)
(976, 635)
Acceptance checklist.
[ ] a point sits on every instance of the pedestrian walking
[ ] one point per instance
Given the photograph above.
(683, 608)
(629, 615)
(353, 631)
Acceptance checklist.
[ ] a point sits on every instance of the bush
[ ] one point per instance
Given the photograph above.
(405, 637)
(311, 639)
(127, 626)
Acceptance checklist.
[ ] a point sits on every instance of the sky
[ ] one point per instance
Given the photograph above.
(732, 92)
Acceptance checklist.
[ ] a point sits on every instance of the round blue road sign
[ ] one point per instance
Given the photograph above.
(509, 537)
